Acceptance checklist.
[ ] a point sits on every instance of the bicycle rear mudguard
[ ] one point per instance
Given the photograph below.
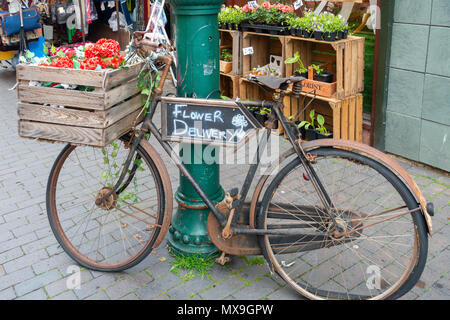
(385, 159)
(167, 186)
(246, 244)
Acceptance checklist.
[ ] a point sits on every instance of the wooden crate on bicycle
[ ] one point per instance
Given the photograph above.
(345, 58)
(105, 110)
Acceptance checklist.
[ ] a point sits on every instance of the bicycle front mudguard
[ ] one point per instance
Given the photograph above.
(167, 186)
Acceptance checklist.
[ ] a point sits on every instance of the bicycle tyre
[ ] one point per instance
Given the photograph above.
(62, 238)
(417, 261)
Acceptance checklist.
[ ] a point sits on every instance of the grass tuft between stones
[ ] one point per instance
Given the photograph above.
(194, 265)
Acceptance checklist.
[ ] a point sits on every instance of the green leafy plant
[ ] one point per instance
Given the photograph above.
(310, 125)
(317, 69)
(226, 55)
(296, 59)
(265, 111)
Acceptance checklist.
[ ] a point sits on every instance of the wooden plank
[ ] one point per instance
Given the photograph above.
(295, 109)
(352, 118)
(336, 107)
(64, 97)
(340, 72)
(75, 117)
(242, 89)
(289, 51)
(121, 93)
(348, 69)
(354, 67)
(241, 45)
(114, 114)
(361, 53)
(235, 86)
(121, 127)
(344, 119)
(60, 75)
(118, 76)
(359, 117)
(58, 132)
(246, 59)
(66, 116)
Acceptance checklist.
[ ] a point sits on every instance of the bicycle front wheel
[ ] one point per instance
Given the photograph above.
(381, 248)
(120, 232)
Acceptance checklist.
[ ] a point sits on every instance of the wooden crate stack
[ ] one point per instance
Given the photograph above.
(229, 82)
(91, 117)
(345, 58)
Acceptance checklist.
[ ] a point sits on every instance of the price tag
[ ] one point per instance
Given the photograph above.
(252, 4)
(298, 4)
(247, 51)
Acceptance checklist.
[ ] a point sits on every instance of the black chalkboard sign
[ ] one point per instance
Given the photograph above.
(211, 121)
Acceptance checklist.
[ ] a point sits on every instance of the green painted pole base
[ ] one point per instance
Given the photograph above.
(197, 43)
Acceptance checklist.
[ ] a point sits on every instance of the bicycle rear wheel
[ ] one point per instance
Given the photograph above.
(118, 234)
(380, 252)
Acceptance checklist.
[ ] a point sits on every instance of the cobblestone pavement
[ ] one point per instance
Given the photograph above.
(33, 266)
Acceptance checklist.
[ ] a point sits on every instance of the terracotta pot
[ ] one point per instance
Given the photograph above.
(226, 66)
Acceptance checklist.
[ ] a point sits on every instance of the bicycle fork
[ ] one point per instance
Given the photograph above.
(306, 160)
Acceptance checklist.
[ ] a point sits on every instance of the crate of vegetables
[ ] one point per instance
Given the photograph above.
(85, 95)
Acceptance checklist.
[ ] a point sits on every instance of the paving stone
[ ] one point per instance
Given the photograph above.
(96, 285)
(158, 286)
(55, 288)
(285, 293)
(130, 296)
(26, 260)
(17, 242)
(36, 282)
(257, 290)
(10, 255)
(35, 295)
(68, 295)
(121, 288)
(99, 296)
(16, 277)
(222, 289)
(7, 294)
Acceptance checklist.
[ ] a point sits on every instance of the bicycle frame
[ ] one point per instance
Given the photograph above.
(276, 105)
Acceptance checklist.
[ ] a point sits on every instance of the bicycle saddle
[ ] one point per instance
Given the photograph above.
(275, 82)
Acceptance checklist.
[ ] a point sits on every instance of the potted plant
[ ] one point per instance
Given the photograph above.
(262, 115)
(226, 61)
(322, 76)
(315, 132)
(306, 24)
(301, 70)
(294, 26)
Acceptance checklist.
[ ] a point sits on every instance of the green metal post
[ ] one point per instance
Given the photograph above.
(197, 43)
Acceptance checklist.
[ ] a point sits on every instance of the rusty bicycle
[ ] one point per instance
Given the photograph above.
(335, 219)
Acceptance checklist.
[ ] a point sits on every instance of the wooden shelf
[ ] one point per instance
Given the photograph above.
(343, 116)
(233, 39)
